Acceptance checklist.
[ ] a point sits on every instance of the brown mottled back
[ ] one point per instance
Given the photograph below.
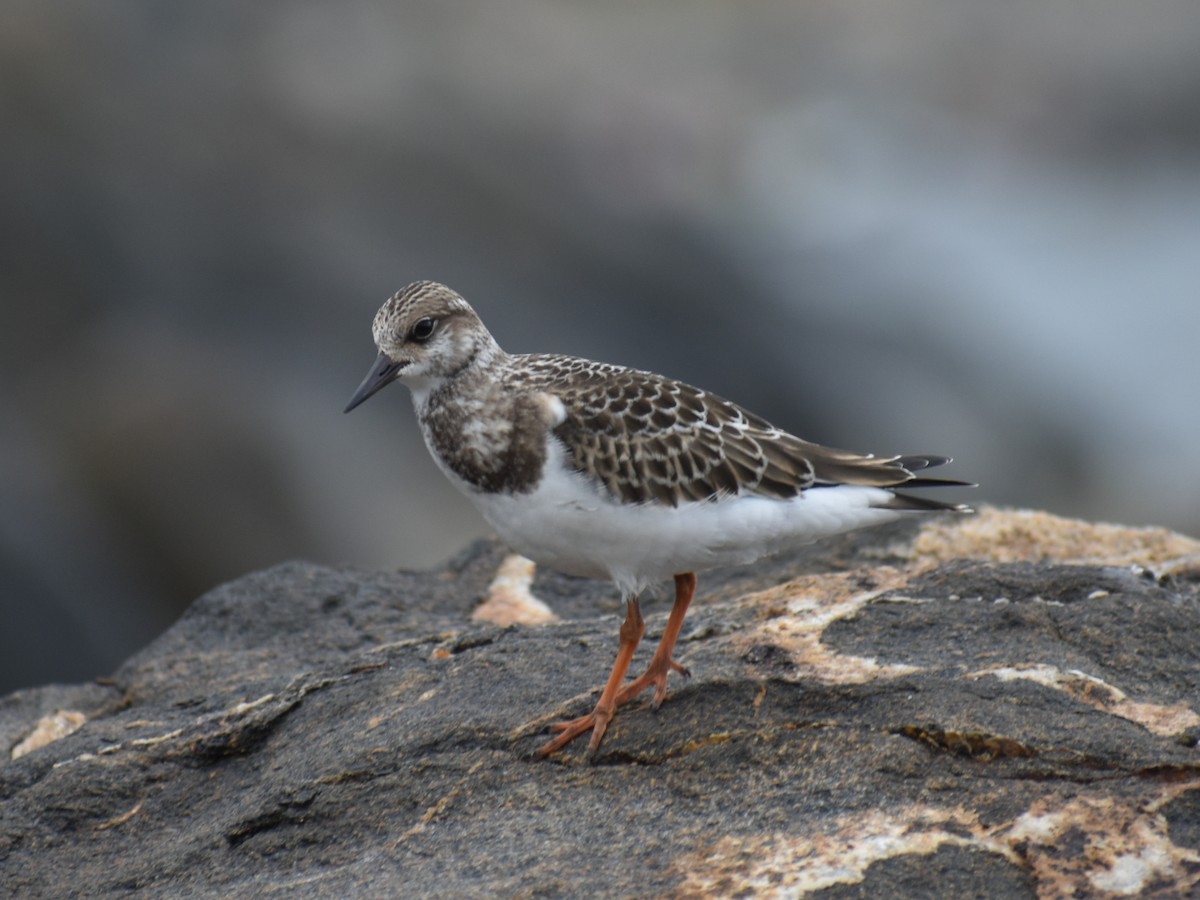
(650, 439)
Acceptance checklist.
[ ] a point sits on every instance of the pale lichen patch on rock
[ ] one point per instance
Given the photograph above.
(1001, 535)
(788, 865)
(798, 612)
(510, 599)
(49, 729)
(1118, 848)
(1099, 694)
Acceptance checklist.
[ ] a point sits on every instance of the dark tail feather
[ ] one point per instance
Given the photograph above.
(937, 482)
(834, 467)
(909, 502)
(921, 504)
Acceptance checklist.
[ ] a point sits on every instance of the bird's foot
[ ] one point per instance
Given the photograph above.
(616, 691)
(596, 722)
(656, 675)
(598, 719)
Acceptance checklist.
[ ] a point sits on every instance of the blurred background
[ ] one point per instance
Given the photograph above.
(961, 227)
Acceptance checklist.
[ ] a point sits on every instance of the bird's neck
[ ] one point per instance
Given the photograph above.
(471, 384)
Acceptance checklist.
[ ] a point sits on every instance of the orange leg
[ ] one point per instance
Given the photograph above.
(597, 720)
(615, 691)
(662, 663)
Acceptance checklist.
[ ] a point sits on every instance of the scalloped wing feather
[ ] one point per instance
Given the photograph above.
(646, 438)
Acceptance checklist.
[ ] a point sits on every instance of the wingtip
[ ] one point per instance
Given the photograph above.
(917, 462)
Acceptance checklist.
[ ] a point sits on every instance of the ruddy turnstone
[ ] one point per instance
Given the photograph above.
(608, 472)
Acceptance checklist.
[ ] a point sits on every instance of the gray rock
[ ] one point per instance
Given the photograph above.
(976, 707)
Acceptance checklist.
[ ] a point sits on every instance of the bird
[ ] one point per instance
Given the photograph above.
(608, 472)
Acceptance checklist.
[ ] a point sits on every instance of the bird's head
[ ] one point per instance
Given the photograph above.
(426, 333)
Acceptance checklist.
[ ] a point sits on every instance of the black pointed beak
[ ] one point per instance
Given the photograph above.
(383, 373)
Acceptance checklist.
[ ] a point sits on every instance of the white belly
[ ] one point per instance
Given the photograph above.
(567, 525)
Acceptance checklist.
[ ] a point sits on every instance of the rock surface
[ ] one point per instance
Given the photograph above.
(1004, 705)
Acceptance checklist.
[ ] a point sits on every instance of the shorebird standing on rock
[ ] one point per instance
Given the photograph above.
(607, 472)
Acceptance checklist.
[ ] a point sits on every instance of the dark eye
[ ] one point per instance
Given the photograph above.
(423, 329)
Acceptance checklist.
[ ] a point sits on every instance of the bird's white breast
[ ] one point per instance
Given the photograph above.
(567, 524)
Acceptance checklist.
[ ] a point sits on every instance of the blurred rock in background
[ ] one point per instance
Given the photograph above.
(957, 227)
